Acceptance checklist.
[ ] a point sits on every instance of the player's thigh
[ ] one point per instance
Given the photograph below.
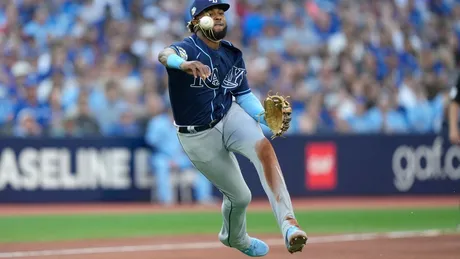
(241, 131)
(201, 146)
(209, 155)
(224, 172)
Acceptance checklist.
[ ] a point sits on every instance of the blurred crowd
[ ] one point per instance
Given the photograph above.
(90, 68)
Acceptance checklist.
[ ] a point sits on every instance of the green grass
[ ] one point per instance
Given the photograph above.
(68, 227)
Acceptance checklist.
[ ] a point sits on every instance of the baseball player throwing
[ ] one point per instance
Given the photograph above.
(216, 115)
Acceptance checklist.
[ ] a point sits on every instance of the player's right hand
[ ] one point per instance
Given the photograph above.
(196, 68)
(454, 136)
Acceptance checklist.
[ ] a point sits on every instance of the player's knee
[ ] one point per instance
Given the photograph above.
(243, 199)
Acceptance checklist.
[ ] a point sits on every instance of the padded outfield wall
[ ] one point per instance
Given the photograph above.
(95, 170)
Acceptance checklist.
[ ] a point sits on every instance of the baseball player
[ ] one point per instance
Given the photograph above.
(216, 115)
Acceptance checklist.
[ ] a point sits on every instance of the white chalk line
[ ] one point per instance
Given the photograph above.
(214, 245)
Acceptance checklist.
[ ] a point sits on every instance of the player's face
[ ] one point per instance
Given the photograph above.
(220, 24)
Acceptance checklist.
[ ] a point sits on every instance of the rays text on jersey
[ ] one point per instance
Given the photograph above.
(232, 80)
(211, 82)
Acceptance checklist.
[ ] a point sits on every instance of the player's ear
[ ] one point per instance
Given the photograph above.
(191, 25)
(195, 21)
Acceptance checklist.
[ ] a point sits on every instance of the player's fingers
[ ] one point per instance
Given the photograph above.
(202, 70)
(194, 71)
(197, 68)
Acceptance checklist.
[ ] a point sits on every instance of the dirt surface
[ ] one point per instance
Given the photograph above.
(445, 247)
(207, 246)
(299, 204)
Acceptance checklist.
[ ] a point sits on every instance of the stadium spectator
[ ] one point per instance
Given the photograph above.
(29, 100)
(85, 123)
(27, 124)
(336, 59)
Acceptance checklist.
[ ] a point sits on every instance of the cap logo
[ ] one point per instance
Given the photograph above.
(213, 1)
(193, 10)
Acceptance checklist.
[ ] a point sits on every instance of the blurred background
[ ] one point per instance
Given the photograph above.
(85, 74)
(85, 118)
(89, 67)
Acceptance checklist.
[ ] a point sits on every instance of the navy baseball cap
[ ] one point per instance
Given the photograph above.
(199, 6)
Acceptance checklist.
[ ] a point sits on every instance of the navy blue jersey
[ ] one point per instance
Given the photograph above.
(197, 102)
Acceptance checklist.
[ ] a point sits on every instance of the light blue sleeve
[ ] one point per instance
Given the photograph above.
(157, 137)
(153, 136)
(252, 106)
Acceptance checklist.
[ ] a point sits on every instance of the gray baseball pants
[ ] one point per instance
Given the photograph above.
(212, 153)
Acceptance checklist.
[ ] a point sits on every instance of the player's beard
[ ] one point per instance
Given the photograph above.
(214, 35)
(220, 35)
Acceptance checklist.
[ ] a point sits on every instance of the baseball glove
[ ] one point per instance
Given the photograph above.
(277, 114)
